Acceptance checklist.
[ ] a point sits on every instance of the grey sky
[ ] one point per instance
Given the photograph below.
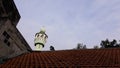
(69, 22)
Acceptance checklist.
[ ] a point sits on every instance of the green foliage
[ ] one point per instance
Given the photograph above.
(81, 46)
(96, 47)
(109, 44)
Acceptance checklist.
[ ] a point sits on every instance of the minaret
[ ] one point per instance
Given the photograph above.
(40, 39)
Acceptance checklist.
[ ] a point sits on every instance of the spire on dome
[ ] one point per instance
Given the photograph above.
(42, 30)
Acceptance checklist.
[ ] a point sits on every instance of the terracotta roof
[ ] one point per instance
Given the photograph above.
(94, 58)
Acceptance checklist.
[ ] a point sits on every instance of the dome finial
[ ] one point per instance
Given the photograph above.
(42, 29)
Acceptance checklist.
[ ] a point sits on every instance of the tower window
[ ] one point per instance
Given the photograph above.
(8, 43)
(4, 33)
(6, 40)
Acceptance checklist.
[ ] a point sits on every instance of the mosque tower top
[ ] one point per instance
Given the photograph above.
(40, 39)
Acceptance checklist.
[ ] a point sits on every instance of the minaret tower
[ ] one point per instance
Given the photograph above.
(40, 39)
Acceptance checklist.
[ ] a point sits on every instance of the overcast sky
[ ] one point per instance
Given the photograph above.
(69, 22)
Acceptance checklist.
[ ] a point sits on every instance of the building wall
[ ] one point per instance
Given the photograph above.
(12, 42)
(11, 45)
(9, 10)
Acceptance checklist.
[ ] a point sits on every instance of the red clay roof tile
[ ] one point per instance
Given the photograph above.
(94, 58)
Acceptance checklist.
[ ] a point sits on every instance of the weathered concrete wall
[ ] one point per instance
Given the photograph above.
(12, 42)
(16, 45)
